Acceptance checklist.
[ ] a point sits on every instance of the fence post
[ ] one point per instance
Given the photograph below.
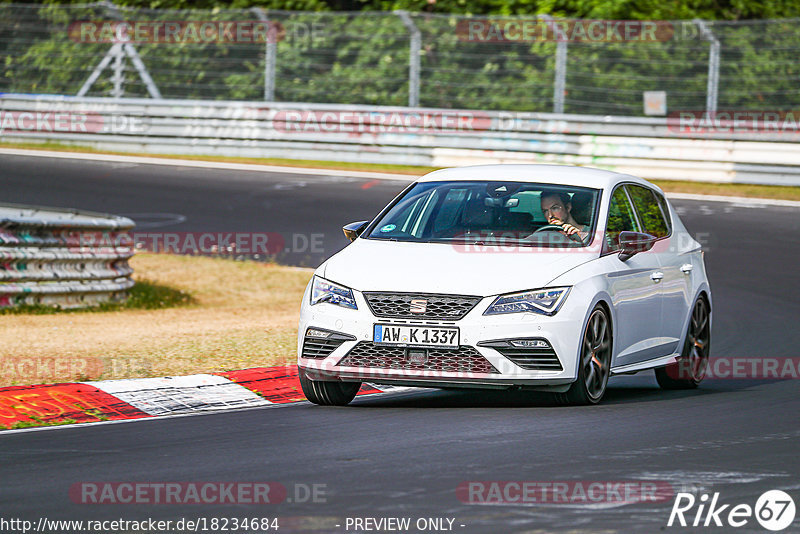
(270, 56)
(712, 88)
(119, 75)
(560, 84)
(560, 75)
(413, 58)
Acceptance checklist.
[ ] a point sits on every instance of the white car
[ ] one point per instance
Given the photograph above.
(545, 277)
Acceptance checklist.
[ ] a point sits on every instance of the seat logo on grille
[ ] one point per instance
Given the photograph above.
(418, 306)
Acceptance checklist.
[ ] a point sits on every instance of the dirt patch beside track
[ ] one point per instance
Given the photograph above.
(244, 314)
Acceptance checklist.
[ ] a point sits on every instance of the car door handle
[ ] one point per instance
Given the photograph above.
(657, 276)
(686, 268)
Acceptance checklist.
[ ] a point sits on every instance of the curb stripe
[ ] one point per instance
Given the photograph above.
(181, 394)
(278, 384)
(115, 400)
(59, 402)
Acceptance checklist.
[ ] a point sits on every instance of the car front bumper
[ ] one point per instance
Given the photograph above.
(562, 331)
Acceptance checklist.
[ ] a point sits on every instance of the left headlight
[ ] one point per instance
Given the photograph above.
(545, 301)
(327, 291)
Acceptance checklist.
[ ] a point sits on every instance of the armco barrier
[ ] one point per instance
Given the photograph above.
(62, 258)
(650, 147)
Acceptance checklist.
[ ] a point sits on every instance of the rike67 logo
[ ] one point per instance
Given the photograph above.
(774, 510)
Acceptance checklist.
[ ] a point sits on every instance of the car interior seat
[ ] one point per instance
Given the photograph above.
(582, 207)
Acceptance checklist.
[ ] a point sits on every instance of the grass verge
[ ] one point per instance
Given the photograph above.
(675, 186)
(189, 315)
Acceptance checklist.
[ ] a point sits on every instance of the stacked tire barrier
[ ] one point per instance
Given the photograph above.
(62, 258)
(654, 148)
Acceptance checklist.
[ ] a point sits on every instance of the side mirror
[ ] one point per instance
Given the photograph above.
(353, 230)
(631, 243)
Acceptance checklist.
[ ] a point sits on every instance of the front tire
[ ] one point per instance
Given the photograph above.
(594, 365)
(328, 393)
(690, 369)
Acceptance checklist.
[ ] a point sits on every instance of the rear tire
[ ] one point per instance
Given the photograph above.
(328, 393)
(690, 369)
(594, 365)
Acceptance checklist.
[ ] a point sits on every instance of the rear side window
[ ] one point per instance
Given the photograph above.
(649, 210)
(620, 219)
(662, 202)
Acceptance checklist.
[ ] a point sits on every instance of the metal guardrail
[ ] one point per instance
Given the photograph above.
(654, 148)
(62, 258)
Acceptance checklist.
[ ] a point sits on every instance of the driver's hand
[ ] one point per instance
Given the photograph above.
(569, 229)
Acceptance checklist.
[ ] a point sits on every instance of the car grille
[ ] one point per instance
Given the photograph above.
(534, 359)
(318, 348)
(464, 359)
(398, 305)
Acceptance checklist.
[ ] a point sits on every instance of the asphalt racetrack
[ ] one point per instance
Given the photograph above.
(404, 454)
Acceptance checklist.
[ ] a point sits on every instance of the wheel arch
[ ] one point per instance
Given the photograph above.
(702, 292)
(604, 300)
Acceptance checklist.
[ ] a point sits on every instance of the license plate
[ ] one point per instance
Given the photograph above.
(416, 336)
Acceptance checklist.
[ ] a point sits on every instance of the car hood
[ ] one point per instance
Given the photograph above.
(373, 265)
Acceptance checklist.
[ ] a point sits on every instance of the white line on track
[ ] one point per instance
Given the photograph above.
(204, 164)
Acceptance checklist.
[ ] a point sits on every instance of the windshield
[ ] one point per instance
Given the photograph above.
(491, 212)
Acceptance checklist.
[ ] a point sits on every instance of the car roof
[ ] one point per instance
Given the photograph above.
(547, 174)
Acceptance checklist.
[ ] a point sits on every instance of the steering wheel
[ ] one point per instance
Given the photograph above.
(557, 227)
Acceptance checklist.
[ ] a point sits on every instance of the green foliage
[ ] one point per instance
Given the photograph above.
(36, 421)
(362, 57)
(146, 295)
(591, 9)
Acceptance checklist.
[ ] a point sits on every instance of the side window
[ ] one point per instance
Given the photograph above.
(620, 219)
(649, 211)
(662, 202)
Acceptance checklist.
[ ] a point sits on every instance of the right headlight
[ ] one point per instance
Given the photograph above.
(546, 301)
(326, 291)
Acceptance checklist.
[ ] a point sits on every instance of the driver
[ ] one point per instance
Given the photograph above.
(557, 209)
